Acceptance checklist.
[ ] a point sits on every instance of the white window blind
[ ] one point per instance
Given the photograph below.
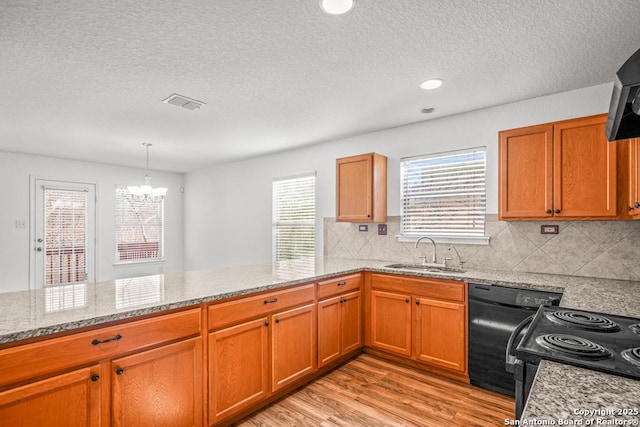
(294, 216)
(444, 194)
(65, 236)
(139, 228)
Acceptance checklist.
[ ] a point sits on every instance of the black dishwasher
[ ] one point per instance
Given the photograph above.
(494, 313)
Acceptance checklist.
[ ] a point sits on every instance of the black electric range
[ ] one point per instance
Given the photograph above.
(596, 341)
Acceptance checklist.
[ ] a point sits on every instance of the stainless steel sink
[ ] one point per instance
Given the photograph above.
(426, 268)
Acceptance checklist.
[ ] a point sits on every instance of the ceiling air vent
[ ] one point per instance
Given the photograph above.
(183, 101)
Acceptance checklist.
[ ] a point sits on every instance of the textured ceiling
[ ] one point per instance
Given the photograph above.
(84, 79)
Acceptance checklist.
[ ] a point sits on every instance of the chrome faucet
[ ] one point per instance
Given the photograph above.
(434, 260)
(460, 262)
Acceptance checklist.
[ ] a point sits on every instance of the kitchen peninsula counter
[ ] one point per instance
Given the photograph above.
(30, 314)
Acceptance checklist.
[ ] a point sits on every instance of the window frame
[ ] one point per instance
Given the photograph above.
(443, 238)
(161, 244)
(309, 222)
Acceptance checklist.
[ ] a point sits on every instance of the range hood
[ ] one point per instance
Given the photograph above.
(623, 121)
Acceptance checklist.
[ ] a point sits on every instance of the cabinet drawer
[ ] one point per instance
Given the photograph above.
(338, 285)
(42, 358)
(451, 290)
(231, 312)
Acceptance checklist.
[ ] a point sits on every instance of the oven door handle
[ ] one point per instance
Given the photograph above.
(510, 360)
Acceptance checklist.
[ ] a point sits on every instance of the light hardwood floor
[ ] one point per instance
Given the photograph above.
(368, 391)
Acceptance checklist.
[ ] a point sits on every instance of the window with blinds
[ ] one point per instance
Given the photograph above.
(444, 195)
(294, 217)
(65, 236)
(139, 228)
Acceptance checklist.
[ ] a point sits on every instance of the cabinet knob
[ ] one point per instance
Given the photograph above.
(417, 302)
(277, 320)
(407, 300)
(557, 210)
(95, 377)
(630, 208)
(119, 371)
(637, 205)
(266, 324)
(549, 211)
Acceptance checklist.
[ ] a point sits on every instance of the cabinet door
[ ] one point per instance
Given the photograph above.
(354, 188)
(634, 177)
(526, 172)
(293, 345)
(584, 169)
(66, 400)
(159, 387)
(351, 327)
(440, 334)
(238, 367)
(329, 320)
(391, 322)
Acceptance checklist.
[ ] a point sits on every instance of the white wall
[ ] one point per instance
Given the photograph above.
(228, 207)
(15, 173)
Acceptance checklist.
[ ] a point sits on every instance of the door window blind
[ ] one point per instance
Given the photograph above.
(65, 236)
(294, 216)
(444, 194)
(139, 228)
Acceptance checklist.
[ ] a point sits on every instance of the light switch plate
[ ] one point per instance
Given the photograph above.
(549, 229)
(382, 229)
(20, 223)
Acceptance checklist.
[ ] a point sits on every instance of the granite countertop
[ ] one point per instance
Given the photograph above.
(41, 312)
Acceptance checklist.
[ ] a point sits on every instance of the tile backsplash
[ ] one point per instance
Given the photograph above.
(607, 249)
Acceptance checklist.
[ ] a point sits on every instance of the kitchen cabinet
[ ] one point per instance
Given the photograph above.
(339, 326)
(53, 374)
(564, 170)
(634, 178)
(361, 188)
(159, 387)
(258, 345)
(339, 318)
(71, 399)
(424, 320)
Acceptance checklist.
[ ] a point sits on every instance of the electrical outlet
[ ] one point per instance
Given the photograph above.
(20, 223)
(549, 229)
(382, 229)
(363, 227)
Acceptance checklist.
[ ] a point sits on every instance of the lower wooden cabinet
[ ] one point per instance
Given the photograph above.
(423, 320)
(293, 350)
(238, 368)
(159, 387)
(391, 322)
(66, 400)
(339, 326)
(252, 359)
(440, 333)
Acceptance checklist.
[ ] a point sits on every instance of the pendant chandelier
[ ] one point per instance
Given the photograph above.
(146, 192)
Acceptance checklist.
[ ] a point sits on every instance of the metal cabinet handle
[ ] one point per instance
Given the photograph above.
(97, 341)
(270, 301)
(637, 205)
(119, 371)
(95, 377)
(630, 208)
(342, 283)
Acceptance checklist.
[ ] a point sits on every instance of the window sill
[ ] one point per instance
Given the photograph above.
(139, 262)
(446, 239)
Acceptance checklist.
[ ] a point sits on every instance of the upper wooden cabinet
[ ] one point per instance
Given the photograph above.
(565, 170)
(361, 188)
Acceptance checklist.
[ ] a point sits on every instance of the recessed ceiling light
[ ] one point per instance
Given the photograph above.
(431, 84)
(183, 101)
(428, 110)
(336, 7)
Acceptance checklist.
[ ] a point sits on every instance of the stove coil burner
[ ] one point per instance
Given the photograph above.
(581, 320)
(573, 346)
(632, 355)
(635, 328)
